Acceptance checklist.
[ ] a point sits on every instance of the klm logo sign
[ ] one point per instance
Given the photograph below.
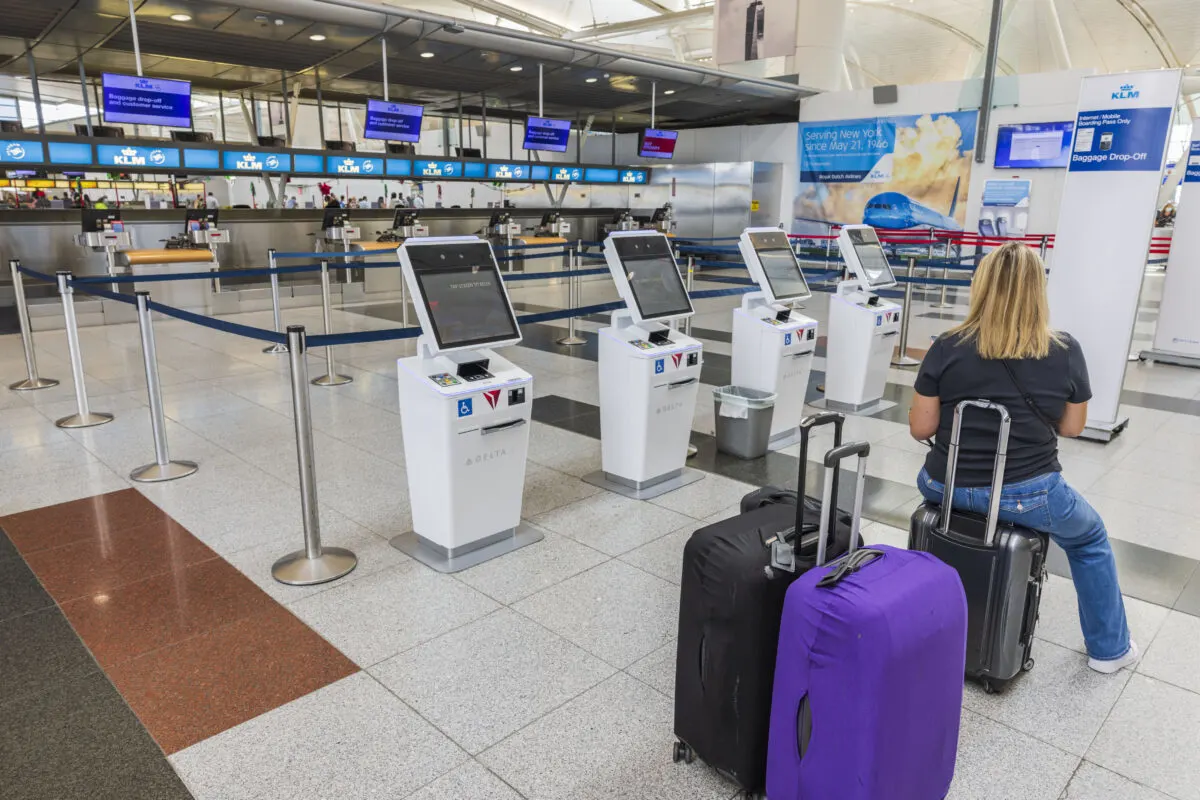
(135, 157)
(1126, 92)
(483, 458)
(668, 408)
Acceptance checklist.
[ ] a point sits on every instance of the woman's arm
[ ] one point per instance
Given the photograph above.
(924, 417)
(1074, 420)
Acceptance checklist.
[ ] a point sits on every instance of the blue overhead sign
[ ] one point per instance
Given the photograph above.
(70, 153)
(399, 166)
(1192, 171)
(134, 157)
(21, 152)
(595, 175)
(307, 162)
(474, 169)
(353, 165)
(539, 173)
(508, 172)
(256, 161)
(1121, 139)
(202, 159)
(633, 176)
(567, 174)
(437, 169)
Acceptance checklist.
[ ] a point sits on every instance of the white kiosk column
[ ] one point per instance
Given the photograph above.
(1105, 224)
(1177, 337)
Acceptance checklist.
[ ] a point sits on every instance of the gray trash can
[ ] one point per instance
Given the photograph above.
(743, 420)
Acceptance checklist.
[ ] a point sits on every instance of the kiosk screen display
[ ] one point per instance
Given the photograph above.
(876, 270)
(780, 266)
(653, 276)
(464, 294)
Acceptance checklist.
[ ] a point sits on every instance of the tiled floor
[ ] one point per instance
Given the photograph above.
(144, 643)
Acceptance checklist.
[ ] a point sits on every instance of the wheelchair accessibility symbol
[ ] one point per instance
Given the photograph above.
(659, 366)
(787, 339)
(464, 407)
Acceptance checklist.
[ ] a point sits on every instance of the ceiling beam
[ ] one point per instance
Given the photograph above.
(937, 23)
(1153, 31)
(640, 25)
(657, 8)
(507, 12)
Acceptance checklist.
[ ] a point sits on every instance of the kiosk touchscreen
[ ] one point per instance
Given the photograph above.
(464, 410)
(649, 372)
(773, 344)
(864, 328)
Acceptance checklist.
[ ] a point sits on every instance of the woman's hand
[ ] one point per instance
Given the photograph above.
(924, 417)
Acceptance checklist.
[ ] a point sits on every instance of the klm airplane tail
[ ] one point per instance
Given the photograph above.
(954, 202)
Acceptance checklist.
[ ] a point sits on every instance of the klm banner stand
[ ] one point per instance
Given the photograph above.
(1177, 337)
(1116, 167)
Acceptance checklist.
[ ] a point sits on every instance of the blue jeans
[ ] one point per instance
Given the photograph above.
(1046, 503)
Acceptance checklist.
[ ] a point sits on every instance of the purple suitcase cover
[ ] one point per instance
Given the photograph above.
(880, 657)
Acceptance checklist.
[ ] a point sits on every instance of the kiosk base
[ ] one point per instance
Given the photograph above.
(444, 560)
(1162, 357)
(1104, 433)
(784, 439)
(644, 490)
(864, 410)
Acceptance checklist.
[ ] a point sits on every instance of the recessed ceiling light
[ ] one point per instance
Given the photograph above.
(591, 80)
(515, 69)
(428, 54)
(317, 37)
(669, 91)
(182, 17)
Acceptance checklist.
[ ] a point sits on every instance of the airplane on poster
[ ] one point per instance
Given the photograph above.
(897, 211)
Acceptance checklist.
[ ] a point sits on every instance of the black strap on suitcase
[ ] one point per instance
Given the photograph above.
(735, 576)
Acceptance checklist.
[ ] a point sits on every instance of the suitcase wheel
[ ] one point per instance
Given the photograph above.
(683, 752)
(1028, 665)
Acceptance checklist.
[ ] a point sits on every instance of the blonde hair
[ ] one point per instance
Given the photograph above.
(1009, 315)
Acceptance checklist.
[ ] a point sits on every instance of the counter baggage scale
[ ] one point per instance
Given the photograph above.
(195, 249)
(772, 343)
(406, 224)
(649, 372)
(464, 410)
(864, 328)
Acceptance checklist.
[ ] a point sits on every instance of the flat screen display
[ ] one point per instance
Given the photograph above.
(653, 276)
(780, 266)
(1038, 145)
(547, 134)
(147, 101)
(463, 294)
(395, 122)
(657, 143)
(875, 268)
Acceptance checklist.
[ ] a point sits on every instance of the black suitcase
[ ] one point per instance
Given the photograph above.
(735, 575)
(1002, 567)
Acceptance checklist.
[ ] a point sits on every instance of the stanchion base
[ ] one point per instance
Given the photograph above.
(444, 561)
(942, 305)
(31, 384)
(297, 569)
(572, 340)
(646, 490)
(276, 349)
(905, 361)
(157, 473)
(89, 420)
(332, 380)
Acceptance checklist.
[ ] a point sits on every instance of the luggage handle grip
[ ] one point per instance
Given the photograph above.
(993, 517)
(806, 425)
(829, 500)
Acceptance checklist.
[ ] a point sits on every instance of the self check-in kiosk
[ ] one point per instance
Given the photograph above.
(649, 373)
(863, 327)
(464, 410)
(773, 343)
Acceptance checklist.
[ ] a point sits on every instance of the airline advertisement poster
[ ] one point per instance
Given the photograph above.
(889, 172)
(1178, 331)
(1005, 208)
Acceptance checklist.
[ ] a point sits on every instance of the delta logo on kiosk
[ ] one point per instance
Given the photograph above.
(493, 397)
(1126, 92)
(677, 358)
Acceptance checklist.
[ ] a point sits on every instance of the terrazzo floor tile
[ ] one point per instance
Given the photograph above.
(612, 524)
(22, 492)
(614, 611)
(1174, 656)
(1096, 783)
(1058, 621)
(471, 781)
(547, 489)
(663, 557)
(997, 763)
(61, 524)
(529, 570)
(706, 497)
(562, 450)
(621, 752)
(378, 616)
(46, 458)
(657, 670)
(1060, 701)
(352, 739)
(1152, 737)
(187, 692)
(488, 679)
(37, 650)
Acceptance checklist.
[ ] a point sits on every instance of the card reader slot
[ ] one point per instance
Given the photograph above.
(503, 426)
(682, 383)
(890, 334)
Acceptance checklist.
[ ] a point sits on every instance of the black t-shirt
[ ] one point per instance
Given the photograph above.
(953, 371)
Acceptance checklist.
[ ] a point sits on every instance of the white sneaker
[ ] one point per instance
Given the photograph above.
(1112, 665)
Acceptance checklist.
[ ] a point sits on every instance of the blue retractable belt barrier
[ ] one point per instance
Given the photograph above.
(535, 276)
(532, 256)
(527, 246)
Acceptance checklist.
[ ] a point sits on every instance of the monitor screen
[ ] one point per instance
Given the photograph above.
(94, 219)
(653, 276)
(463, 294)
(876, 270)
(148, 101)
(780, 266)
(657, 144)
(209, 215)
(335, 218)
(547, 134)
(1039, 145)
(395, 122)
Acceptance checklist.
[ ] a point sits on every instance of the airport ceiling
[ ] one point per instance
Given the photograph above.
(243, 47)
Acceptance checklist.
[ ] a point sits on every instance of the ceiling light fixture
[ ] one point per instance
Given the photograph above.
(669, 91)
(515, 69)
(182, 17)
(428, 54)
(591, 80)
(317, 37)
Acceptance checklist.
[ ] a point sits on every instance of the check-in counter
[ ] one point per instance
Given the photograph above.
(383, 279)
(518, 255)
(192, 294)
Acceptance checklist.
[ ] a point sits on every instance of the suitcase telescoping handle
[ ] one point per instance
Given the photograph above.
(993, 517)
(806, 425)
(833, 460)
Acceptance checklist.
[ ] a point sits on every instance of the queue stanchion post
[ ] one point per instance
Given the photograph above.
(403, 301)
(903, 359)
(942, 303)
(33, 381)
(315, 563)
(691, 269)
(331, 377)
(1042, 247)
(85, 417)
(278, 347)
(574, 290)
(162, 468)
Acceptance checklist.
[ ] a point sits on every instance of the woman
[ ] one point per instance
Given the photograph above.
(1007, 353)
